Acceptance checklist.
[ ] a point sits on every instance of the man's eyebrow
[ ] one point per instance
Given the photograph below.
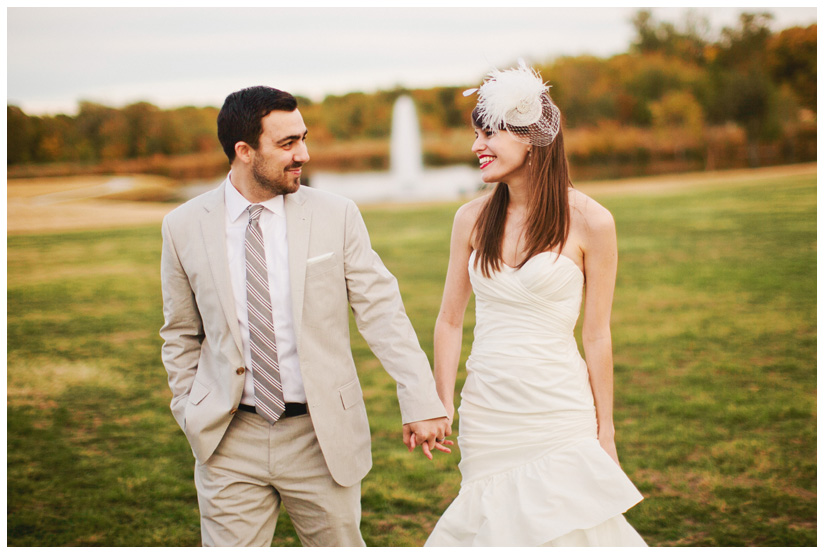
(292, 137)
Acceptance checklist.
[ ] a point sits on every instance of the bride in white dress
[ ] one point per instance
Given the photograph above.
(538, 458)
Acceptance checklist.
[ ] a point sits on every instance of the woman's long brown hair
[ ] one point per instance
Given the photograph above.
(548, 211)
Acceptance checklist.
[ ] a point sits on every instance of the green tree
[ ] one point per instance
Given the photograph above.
(114, 136)
(56, 140)
(142, 129)
(201, 128)
(90, 121)
(745, 46)
(358, 115)
(678, 110)
(791, 60)
(744, 91)
(649, 77)
(583, 89)
(19, 136)
(688, 41)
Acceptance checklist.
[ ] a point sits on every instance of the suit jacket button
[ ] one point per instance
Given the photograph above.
(240, 370)
(233, 411)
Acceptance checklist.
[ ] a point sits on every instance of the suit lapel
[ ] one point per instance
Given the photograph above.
(298, 219)
(213, 227)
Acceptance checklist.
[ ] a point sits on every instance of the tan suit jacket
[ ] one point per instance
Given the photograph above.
(332, 268)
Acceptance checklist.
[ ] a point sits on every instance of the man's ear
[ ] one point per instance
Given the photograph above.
(243, 151)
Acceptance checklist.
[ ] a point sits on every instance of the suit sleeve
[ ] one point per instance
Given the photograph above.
(182, 330)
(381, 320)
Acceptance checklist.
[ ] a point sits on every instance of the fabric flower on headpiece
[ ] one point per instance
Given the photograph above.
(517, 100)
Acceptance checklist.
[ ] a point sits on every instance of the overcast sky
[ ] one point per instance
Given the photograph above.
(196, 56)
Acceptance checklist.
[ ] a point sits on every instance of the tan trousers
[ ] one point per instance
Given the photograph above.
(255, 468)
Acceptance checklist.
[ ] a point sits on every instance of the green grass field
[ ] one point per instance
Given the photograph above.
(714, 330)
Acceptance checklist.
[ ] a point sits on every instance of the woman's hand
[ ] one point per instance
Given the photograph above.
(450, 413)
(608, 443)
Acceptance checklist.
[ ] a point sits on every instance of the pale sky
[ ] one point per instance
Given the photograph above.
(197, 55)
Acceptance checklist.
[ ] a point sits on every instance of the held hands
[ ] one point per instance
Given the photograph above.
(429, 434)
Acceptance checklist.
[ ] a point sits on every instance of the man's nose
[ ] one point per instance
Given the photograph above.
(302, 154)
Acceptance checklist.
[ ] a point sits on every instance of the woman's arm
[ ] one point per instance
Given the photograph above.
(450, 322)
(600, 262)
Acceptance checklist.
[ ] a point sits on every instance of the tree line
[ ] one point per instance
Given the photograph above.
(677, 87)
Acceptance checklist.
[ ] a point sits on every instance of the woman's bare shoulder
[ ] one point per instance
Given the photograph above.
(467, 213)
(589, 214)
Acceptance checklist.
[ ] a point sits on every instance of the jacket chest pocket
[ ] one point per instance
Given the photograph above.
(321, 264)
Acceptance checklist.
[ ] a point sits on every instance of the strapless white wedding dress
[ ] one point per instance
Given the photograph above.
(533, 472)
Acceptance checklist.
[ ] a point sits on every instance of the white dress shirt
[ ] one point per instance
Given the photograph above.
(273, 229)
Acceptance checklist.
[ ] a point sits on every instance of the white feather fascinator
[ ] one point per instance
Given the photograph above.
(517, 100)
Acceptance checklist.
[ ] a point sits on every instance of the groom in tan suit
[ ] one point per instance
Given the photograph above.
(277, 416)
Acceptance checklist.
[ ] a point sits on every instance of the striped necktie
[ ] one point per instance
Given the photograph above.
(269, 394)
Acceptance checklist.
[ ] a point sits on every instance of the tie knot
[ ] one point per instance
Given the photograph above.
(255, 212)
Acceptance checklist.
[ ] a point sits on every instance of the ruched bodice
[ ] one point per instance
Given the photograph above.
(524, 354)
(532, 469)
(546, 293)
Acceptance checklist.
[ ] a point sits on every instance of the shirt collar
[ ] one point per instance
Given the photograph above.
(236, 203)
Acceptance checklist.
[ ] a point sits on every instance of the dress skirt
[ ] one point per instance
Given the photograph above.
(536, 479)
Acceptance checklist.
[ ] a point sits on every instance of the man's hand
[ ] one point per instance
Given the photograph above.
(429, 434)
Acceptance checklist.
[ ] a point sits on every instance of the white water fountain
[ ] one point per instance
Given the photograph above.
(405, 145)
(407, 180)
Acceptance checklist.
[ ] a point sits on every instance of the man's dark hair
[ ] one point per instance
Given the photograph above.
(242, 112)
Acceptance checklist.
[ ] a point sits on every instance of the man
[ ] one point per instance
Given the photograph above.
(258, 278)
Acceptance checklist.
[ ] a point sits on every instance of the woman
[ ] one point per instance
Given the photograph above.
(539, 463)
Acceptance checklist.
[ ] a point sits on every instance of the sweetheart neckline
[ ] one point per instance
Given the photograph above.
(559, 256)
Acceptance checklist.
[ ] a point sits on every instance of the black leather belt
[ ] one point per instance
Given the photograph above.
(292, 409)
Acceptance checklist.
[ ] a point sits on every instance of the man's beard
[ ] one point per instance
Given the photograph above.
(283, 185)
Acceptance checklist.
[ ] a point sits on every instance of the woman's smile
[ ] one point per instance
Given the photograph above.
(485, 160)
